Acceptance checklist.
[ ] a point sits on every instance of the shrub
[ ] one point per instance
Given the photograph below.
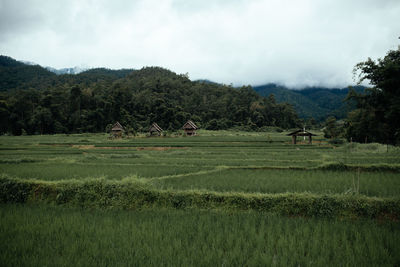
(132, 194)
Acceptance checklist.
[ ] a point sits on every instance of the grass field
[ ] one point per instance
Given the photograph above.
(216, 161)
(220, 162)
(56, 236)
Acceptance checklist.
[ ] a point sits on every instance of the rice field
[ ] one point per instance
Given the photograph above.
(221, 162)
(283, 181)
(60, 236)
(214, 161)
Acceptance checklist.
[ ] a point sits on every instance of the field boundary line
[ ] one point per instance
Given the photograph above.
(217, 169)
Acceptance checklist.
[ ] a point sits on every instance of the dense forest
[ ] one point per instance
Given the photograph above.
(314, 102)
(34, 100)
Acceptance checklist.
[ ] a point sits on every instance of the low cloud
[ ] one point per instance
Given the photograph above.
(295, 43)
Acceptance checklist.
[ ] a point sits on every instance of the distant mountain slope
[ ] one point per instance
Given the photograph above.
(15, 74)
(21, 75)
(79, 103)
(95, 75)
(317, 103)
(103, 72)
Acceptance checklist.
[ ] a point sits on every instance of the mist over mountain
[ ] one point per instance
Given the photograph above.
(74, 70)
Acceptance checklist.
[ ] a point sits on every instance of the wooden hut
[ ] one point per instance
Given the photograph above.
(155, 129)
(190, 128)
(302, 132)
(117, 130)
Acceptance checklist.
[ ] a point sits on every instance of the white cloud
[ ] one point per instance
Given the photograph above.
(297, 43)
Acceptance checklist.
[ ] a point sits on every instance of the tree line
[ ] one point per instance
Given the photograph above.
(376, 117)
(36, 101)
(91, 101)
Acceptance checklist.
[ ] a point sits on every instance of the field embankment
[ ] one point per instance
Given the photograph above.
(127, 194)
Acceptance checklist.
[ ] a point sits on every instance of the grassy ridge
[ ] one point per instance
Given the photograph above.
(133, 194)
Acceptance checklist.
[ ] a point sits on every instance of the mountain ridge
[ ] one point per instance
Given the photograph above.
(309, 102)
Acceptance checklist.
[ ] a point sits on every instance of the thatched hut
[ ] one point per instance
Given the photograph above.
(302, 132)
(117, 130)
(190, 128)
(155, 129)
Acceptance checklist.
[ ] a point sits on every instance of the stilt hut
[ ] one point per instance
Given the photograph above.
(155, 129)
(190, 128)
(117, 130)
(302, 132)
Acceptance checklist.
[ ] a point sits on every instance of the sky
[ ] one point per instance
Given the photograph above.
(296, 43)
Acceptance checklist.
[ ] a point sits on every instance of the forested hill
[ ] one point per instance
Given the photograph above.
(34, 100)
(16, 75)
(317, 103)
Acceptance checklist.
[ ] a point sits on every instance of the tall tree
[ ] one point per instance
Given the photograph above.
(376, 118)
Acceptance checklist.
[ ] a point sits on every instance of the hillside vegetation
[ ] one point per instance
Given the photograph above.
(91, 100)
(317, 103)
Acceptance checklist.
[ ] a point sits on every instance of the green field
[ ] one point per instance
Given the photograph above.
(234, 162)
(56, 236)
(226, 169)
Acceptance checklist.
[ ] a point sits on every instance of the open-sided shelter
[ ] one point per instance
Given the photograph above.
(302, 132)
(190, 128)
(117, 130)
(155, 129)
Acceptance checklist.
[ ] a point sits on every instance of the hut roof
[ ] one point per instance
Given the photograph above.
(302, 132)
(155, 127)
(189, 125)
(117, 127)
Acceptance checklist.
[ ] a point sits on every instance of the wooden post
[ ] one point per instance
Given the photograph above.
(294, 137)
(310, 139)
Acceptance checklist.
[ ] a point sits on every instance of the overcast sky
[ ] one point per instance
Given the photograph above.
(292, 42)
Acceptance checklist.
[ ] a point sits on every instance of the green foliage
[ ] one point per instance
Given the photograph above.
(91, 100)
(376, 118)
(317, 103)
(332, 128)
(14, 75)
(131, 194)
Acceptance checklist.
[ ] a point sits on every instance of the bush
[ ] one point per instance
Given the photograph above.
(134, 194)
(336, 141)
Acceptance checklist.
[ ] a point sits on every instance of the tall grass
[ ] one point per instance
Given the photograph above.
(56, 236)
(75, 170)
(386, 184)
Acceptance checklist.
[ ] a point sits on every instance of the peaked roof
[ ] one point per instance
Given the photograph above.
(155, 127)
(190, 125)
(302, 132)
(117, 127)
